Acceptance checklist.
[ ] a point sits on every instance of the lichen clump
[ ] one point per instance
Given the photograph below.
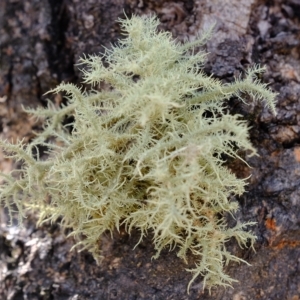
(144, 150)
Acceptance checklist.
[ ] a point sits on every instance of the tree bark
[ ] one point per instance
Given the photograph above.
(40, 41)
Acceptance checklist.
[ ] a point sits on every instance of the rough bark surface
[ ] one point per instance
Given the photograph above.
(41, 40)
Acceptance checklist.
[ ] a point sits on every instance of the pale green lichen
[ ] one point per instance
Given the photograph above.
(145, 151)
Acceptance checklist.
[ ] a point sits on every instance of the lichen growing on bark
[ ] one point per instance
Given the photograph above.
(145, 151)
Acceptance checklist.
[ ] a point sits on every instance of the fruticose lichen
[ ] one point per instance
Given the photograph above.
(145, 150)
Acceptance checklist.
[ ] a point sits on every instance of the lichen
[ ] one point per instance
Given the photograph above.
(145, 150)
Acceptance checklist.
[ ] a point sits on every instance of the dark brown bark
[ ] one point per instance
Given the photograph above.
(41, 41)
